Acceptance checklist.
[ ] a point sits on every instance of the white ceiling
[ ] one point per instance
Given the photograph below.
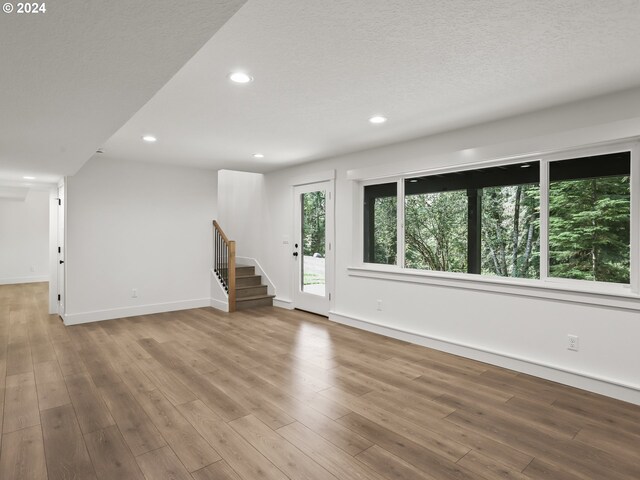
(322, 68)
(70, 77)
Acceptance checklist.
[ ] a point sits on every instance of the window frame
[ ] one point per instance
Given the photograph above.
(545, 281)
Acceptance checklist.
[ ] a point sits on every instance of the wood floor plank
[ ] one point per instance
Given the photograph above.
(611, 441)
(323, 425)
(576, 458)
(620, 420)
(544, 414)
(206, 391)
(172, 388)
(2, 396)
(68, 359)
(232, 447)
(52, 390)
(22, 456)
(192, 358)
(19, 358)
(327, 376)
(111, 458)
(429, 439)
(21, 403)
(136, 427)
(66, 453)
(489, 468)
(265, 411)
(551, 428)
(217, 471)
(194, 452)
(333, 459)
(411, 452)
(162, 463)
(539, 469)
(391, 466)
(42, 351)
(308, 398)
(284, 455)
(91, 411)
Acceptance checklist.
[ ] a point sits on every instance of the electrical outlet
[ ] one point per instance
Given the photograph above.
(134, 293)
(572, 343)
(379, 305)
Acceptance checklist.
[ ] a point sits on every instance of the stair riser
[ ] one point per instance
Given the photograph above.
(248, 282)
(251, 292)
(262, 302)
(245, 271)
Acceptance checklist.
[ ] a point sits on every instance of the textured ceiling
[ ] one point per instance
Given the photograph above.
(322, 68)
(70, 77)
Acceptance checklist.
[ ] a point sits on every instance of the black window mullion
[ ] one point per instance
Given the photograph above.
(474, 230)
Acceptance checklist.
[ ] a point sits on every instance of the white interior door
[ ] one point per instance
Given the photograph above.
(61, 298)
(313, 247)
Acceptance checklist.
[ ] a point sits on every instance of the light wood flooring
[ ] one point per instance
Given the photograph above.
(274, 394)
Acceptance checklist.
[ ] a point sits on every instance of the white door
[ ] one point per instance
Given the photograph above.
(313, 247)
(61, 299)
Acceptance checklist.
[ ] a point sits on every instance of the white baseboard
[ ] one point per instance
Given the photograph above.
(282, 303)
(220, 305)
(17, 280)
(604, 386)
(87, 317)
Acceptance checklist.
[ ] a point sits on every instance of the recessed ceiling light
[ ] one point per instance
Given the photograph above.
(26, 177)
(240, 77)
(258, 155)
(149, 138)
(378, 119)
(414, 180)
(526, 165)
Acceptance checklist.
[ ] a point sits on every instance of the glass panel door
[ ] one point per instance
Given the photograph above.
(312, 249)
(313, 242)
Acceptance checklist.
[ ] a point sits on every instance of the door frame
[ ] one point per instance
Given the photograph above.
(61, 250)
(328, 178)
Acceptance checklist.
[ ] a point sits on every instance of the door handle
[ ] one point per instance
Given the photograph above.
(61, 262)
(295, 254)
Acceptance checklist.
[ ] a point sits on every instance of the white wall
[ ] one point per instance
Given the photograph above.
(240, 195)
(525, 333)
(137, 226)
(24, 238)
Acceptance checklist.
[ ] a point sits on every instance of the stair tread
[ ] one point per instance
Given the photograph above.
(249, 286)
(243, 266)
(255, 297)
(246, 276)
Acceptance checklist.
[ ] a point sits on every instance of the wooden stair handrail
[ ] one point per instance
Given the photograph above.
(229, 256)
(217, 226)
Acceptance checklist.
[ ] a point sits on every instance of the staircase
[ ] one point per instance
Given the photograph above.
(250, 292)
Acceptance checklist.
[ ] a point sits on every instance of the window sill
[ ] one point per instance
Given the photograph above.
(616, 296)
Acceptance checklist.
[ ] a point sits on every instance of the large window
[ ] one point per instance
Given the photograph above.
(497, 221)
(436, 230)
(476, 221)
(590, 218)
(381, 223)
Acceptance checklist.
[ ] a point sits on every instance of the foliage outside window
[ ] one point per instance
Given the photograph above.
(511, 231)
(313, 241)
(590, 218)
(381, 223)
(487, 221)
(313, 223)
(481, 221)
(436, 231)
